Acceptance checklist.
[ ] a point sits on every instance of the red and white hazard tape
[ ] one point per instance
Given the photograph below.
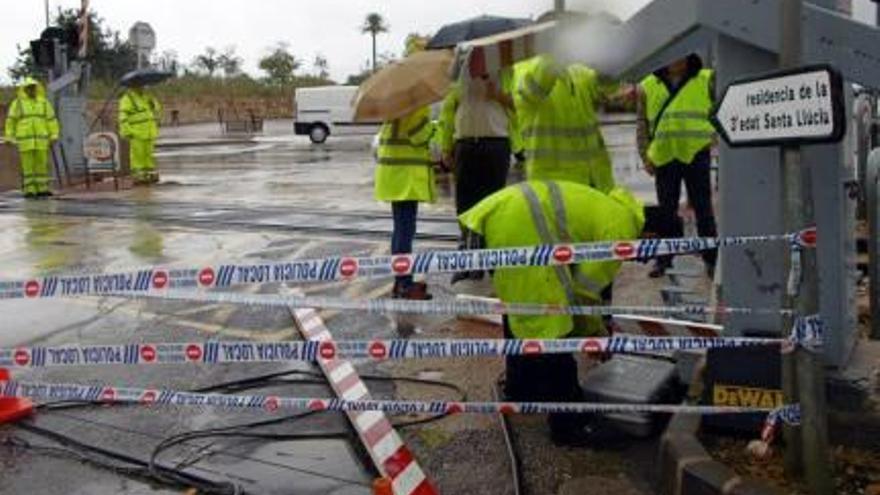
(657, 327)
(52, 392)
(322, 350)
(161, 279)
(390, 455)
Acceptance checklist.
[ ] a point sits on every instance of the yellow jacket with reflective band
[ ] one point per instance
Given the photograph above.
(446, 122)
(405, 171)
(139, 116)
(569, 212)
(684, 128)
(559, 125)
(31, 122)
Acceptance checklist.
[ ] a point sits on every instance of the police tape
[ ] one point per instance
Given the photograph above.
(239, 352)
(52, 392)
(160, 279)
(807, 332)
(458, 307)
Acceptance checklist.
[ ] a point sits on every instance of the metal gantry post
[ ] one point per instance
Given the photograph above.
(803, 370)
(872, 184)
(559, 6)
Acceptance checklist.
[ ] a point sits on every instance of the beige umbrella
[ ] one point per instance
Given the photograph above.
(403, 87)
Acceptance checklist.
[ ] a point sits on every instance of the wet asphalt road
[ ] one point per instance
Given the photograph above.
(277, 198)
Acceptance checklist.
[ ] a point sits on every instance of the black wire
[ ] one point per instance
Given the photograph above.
(132, 431)
(170, 475)
(151, 469)
(242, 430)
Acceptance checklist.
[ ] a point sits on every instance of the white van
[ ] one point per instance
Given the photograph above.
(326, 110)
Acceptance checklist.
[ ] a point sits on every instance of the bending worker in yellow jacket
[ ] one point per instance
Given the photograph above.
(139, 116)
(32, 126)
(553, 212)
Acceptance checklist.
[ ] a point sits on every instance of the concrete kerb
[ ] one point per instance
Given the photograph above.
(686, 467)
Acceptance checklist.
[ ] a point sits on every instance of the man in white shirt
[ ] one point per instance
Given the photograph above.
(477, 122)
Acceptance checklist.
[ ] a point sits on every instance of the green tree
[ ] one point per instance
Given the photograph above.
(322, 67)
(109, 55)
(168, 60)
(280, 65)
(374, 24)
(209, 61)
(415, 42)
(229, 62)
(24, 64)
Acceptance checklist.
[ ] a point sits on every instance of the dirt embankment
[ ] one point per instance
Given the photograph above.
(201, 109)
(196, 110)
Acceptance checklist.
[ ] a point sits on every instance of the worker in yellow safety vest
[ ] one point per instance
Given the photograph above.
(545, 213)
(556, 107)
(31, 125)
(139, 117)
(675, 138)
(404, 177)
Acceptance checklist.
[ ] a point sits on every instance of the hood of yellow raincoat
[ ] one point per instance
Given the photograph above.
(632, 203)
(30, 81)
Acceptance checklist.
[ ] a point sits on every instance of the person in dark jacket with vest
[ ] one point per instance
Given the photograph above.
(675, 138)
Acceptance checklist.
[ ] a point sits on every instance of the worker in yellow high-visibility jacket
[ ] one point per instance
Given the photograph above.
(139, 116)
(675, 138)
(404, 177)
(545, 213)
(31, 125)
(556, 107)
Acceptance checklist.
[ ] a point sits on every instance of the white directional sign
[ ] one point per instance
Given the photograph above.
(804, 105)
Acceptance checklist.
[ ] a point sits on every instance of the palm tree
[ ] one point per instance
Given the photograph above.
(374, 24)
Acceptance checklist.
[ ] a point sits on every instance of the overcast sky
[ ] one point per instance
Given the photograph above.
(329, 27)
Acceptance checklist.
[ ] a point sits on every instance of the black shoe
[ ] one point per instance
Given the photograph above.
(477, 275)
(659, 270)
(418, 291)
(458, 277)
(575, 437)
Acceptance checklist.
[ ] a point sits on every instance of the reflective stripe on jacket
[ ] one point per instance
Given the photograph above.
(550, 212)
(405, 171)
(31, 123)
(684, 128)
(559, 124)
(139, 115)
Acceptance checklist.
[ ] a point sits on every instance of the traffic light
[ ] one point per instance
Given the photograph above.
(43, 49)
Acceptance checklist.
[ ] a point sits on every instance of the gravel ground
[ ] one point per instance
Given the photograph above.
(468, 454)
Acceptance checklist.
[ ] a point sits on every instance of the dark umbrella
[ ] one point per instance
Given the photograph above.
(471, 29)
(145, 77)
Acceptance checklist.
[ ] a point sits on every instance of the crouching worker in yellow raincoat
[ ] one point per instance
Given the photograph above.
(139, 116)
(31, 125)
(553, 212)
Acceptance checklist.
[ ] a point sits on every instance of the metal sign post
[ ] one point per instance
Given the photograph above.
(803, 371)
